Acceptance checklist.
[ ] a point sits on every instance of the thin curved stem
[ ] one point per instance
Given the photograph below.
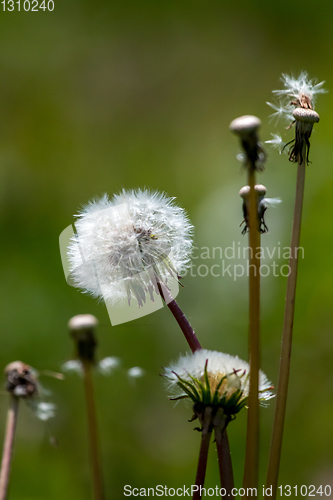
(93, 434)
(180, 317)
(8, 446)
(282, 391)
(250, 479)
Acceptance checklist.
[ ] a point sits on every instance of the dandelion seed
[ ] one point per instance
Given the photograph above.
(44, 411)
(123, 245)
(108, 365)
(135, 372)
(277, 143)
(212, 378)
(281, 112)
(73, 365)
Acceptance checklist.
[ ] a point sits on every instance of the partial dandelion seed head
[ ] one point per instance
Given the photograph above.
(22, 382)
(296, 103)
(122, 243)
(214, 379)
(298, 92)
(300, 89)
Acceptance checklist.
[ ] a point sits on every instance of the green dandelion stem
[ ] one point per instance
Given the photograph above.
(93, 434)
(282, 390)
(203, 454)
(252, 438)
(224, 459)
(179, 316)
(8, 446)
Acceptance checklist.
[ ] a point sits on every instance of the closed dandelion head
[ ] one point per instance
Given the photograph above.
(82, 330)
(22, 382)
(296, 105)
(262, 204)
(246, 127)
(213, 379)
(124, 245)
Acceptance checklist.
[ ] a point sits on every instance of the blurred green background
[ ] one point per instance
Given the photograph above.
(100, 96)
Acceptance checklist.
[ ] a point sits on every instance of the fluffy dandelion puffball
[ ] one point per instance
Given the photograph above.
(124, 244)
(214, 379)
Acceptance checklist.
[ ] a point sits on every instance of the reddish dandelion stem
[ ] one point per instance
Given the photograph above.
(180, 317)
(8, 446)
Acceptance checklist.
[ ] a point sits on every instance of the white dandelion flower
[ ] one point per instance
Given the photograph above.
(214, 379)
(123, 245)
(277, 143)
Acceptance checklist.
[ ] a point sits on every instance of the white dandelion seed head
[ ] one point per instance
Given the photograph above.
(233, 371)
(107, 365)
(118, 240)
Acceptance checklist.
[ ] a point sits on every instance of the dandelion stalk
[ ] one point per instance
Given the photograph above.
(206, 434)
(246, 128)
(82, 329)
(302, 91)
(224, 459)
(180, 317)
(93, 433)
(217, 383)
(252, 438)
(8, 446)
(282, 391)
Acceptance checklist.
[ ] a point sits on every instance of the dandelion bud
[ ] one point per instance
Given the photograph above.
(82, 330)
(246, 128)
